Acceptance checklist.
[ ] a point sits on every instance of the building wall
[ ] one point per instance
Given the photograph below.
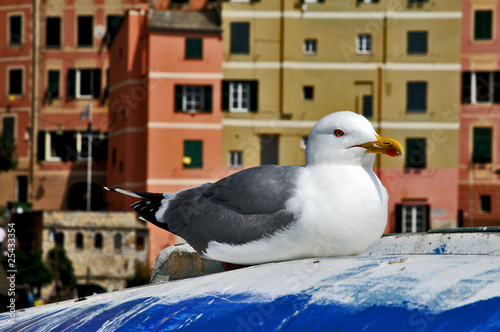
(16, 106)
(479, 179)
(108, 266)
(153, 61)
(339, 75)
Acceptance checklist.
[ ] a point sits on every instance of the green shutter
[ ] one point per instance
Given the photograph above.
(178, 98)
(52, 84)
(8, 129)
(41, 146)
(194, 48)
(225, 95)
(483, 25)
(415, 153)
(194, 150)
(71, 84)
(207, 99)
(254, 96)
(96, 83)
(496, 87)
(466, 87)
(481, 151)
(240, 38)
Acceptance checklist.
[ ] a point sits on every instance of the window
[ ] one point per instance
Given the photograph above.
(85, 31)
(70, 146)
(22, 188)
(269, 149)
(367, 1)
(411, 218)
(83, 83)
(140, 240)
(310, 46)
(367, 107)
(364, 44)
(98, 241)
(79, 240)
(117, 239)
(235, 158)
(239, 96)
(193, 150)
(416, 97)
(52, 84)
(415, 153)
(193, 98)
(59, 239)
(480, 87)
(53, 32)
(15, 30)
(15, 82)
(485, 203)
(482, 142)
(308, 93)
(113, 24)
(483, 24)
(417, 42)
(313, 1)
(194, 48)
(8, 129)
(240, 38)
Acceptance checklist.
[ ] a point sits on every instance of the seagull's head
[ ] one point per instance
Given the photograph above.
(347, 138)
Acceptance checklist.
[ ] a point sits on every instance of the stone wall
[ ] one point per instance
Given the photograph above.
(109, 265)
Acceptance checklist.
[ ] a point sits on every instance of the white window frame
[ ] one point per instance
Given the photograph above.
(48, 145)
(310, 46)
(78, 85)
(239, 89)
(362, 43)
(412, 212)
(310, 1)
(473, 89)
(235, 158)
(189, 103)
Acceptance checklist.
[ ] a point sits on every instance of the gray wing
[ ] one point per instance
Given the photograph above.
(240, 208)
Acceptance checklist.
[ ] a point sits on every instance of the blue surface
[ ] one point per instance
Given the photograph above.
(240, 313)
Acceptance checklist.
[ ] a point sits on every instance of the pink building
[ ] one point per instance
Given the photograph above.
(479, 182)
(165, 121)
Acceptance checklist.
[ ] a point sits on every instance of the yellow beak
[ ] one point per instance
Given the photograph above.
(383, 145)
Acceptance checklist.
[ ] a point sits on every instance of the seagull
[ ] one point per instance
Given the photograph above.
(334, 205)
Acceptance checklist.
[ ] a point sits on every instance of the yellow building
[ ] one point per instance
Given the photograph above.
(289, 63)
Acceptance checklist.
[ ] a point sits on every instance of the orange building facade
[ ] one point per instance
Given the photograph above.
(479, 182)
(165, 120)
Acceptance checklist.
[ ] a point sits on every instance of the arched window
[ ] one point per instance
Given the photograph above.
(60, 240)
(98, 241)
(118, 241)
(79, 240)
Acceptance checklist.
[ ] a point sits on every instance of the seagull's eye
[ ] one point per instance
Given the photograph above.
(338, 132)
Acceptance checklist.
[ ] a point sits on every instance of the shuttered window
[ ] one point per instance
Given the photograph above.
(240, 96)
(193, 98)
(483, 24)
(481, 150)
(83, 83)
(193, 150)
(52, 84)
(416, 97)
(240, 38)
(415, 153)
(194, 48)
(417, 42)
(8, 128)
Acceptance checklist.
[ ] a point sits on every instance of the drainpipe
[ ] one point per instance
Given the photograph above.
(381, 80)
(281, 105)
(34, 100)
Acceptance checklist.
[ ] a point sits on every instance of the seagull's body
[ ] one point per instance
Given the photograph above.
(335, 205)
